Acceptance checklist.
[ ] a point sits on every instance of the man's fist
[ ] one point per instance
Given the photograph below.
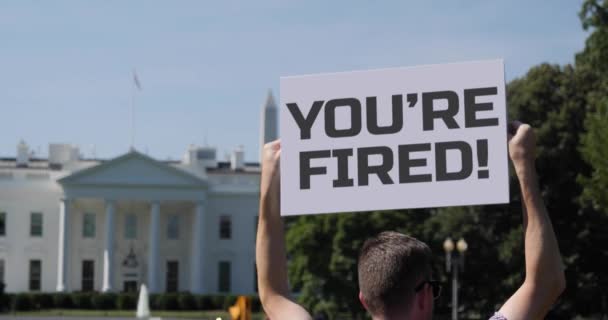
(522, 143)
(271, 156)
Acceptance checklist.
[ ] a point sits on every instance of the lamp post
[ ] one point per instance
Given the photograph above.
(454, 267)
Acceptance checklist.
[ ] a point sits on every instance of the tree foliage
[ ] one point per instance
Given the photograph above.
(568, 106)
(593, 61)
(595, 152)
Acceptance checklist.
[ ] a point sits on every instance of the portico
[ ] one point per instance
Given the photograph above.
(150, 219)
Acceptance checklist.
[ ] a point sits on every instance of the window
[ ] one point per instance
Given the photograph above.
(2, 224)
(88, 225)
(36, 224)
(35, 275)
(172, 276)
(2, 272)
(173, 227)
(225, 227)
(130, 226)
(88, 275)
(224, 276)
(129, 286)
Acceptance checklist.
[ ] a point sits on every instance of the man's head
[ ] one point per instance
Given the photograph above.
(391, 267)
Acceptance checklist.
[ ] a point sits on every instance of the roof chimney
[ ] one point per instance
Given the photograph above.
(62, 154)
(23, 154)
(203, 157)
(237, 159)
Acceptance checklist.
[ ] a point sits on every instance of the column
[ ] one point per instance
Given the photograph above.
(153, 236)
(108, 250)
(197, 247)
(63, 251)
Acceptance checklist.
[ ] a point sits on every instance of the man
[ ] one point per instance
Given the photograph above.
(395, 278)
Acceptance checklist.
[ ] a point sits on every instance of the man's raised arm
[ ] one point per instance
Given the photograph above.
(544, 280)
(270, 243)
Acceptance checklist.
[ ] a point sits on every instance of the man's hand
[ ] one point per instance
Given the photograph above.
(270, 183)
(544, 280)
(522, 144)
(270, 244)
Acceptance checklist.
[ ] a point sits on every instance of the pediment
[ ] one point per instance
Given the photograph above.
(133, 169)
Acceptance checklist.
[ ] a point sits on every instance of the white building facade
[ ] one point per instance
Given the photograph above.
(71, 224)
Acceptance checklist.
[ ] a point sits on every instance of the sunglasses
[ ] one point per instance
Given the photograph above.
(435, 285)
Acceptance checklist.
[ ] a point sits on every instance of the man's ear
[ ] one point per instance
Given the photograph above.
(362, 299)
(421, 299)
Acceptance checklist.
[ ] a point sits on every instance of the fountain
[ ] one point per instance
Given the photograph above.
(143, 305)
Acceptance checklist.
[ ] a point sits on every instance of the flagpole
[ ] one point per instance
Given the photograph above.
(136, 87)
(133, 117)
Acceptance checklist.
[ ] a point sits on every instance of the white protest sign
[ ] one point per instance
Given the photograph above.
(427, 136)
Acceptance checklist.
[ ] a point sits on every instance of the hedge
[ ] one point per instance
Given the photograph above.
(117, 301)
(186, 302)
(167, 301)
(82, 300)
(42, 300)
(204, 302)
(62, 301)
(23, 302)
(229, 300)
(104, 301)
(126, 301)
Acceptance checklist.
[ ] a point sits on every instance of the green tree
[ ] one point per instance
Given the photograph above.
(595, 152)
(593, 61)
(323, 253)
(568, 107)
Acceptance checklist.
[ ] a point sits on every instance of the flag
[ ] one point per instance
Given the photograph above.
(136, 80)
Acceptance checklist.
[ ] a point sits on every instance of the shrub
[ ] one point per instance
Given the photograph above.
(217, 302)
(42, 301)
(126, 301)
(256, 304)
(204, 302)
(23, 302)
(82, 300)
(153, 300)
(229, 300)
(168, 301)
(325, 309)
(186, 302)
(62, 301)
(6, 300)
(104, 301)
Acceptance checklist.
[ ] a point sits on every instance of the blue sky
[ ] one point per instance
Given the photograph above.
(205, 67)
